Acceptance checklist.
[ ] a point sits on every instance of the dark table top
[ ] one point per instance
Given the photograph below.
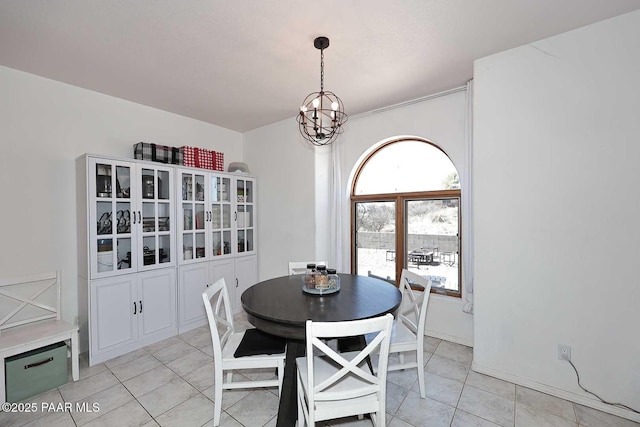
(280, 307)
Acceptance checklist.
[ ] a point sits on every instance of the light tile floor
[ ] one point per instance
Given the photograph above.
(170, 384)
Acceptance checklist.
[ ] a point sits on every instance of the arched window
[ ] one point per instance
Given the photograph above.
(405, 208)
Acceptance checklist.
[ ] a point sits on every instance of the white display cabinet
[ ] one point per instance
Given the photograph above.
(245, 215)
(216, 238)
(153, 237)
(216, 215)
(130, 217)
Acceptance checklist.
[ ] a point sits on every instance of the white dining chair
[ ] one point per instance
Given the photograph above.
(408, 328)
(300, 267)
(335, 385)
(225, 342)
(387, 279)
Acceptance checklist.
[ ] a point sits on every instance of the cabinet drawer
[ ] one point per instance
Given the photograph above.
(31, 373)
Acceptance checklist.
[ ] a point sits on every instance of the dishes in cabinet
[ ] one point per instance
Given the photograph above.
(103, 185)
(104, 223)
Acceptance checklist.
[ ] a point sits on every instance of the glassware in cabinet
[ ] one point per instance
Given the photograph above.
(220, 215)
(130, 216)
(245, 215)
(110, 217)
(194, 215)
(156, 217)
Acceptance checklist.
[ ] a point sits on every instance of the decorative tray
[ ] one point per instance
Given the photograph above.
(323, 289)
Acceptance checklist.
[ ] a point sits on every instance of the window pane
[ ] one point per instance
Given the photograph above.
(407, 166)
(375, 227)
(432, 241)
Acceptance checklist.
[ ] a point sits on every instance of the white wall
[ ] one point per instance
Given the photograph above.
(441, 121)
(44, 126)
(556, 127)
(292, 178)
(284, 166)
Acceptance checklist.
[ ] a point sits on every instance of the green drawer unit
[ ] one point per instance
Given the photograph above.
(33, 372)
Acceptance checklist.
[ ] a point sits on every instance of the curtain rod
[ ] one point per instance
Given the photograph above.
(410, 102)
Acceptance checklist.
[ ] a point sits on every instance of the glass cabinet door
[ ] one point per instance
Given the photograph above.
(245, 215)
(155, 216)
(111, 211)
(193, 221)
(220, 215)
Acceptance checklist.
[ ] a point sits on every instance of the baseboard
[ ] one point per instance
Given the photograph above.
(557, 392)
(447, 337)
(193, 325)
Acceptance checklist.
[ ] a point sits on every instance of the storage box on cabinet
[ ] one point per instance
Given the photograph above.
(157, 153)
(202, 158)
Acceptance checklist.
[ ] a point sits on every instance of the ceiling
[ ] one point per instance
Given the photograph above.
(248, 63)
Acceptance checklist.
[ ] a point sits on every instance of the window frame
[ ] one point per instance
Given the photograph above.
(400, 199)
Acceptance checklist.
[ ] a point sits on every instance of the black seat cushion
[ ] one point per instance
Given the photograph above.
(257, 342)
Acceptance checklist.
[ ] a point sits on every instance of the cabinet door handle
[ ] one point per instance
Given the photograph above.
(135, 308)
(236, 282)
(139, 217)
(140, 306)
(134, 217)
(236, 213)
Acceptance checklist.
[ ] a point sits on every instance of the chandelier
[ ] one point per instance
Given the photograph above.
(322, 113)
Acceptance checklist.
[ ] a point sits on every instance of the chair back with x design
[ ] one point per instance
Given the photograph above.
(409, 327)
(415, 297)
(222, 315)
(336, 385)
(225, 344)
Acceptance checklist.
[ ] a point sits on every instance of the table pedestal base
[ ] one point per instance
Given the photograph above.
(288, 410)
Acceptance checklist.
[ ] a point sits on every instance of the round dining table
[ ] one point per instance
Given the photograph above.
(280, 307)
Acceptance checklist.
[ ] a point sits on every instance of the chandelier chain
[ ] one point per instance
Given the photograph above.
(321, 70)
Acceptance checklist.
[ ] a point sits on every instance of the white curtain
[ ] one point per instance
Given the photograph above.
(336, 206)
(467, 205)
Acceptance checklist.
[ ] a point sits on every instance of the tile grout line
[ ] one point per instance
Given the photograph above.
(199, 392)
(136, 399)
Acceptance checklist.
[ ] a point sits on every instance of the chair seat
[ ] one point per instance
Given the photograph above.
(232, 345)
(345, 387)
(401, 335)
(256, 342)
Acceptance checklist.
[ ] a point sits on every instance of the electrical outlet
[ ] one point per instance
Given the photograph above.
(564, 352)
